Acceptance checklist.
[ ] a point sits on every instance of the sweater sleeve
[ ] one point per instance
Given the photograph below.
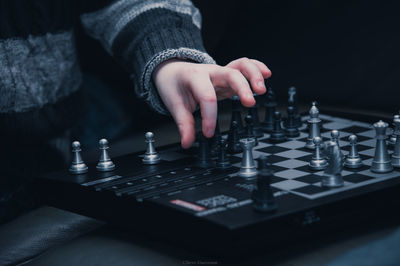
(141, 34)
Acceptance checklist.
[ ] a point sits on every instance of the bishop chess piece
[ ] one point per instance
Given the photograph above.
(105, 163)
(151, 156)
(396, 152)
(353, 159)
(270, 105)
(233, 139)
(237, 114)
(314, 124)
(249, 128)
(262, 195)
(78, 166)
(223, 159)
(203, 159)
(332, 177)
(248, 168)
(393, 137)
(381, 162)
(292, 101)
(253, 111)
(290, 124)
(318, 161)
(277, 135)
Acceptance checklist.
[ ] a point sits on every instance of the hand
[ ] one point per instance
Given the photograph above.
(183, 85)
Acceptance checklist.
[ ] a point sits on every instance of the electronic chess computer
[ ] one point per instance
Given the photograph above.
(261, 185)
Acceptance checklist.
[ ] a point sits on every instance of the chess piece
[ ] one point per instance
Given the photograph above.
(318, 162)
(277, 135)
(292, 101)
(313, 126)
(270, 105)
(203, 159)
(332, 177)
(237, 114)
(78, 166)
(248, 169)
(381, 162)
(223, 159)
(105, 164)
(290, 124)
(214, 141)
(249, 128)
(393, 137)
(151, 156)
(233, 139)
(262, 195)
(335, 134)
(253, 111)
(396, 152)
(353, 159)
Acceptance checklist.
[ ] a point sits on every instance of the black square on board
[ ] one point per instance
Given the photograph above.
(356, 178)
(355, 129)
(309, 179)
(276, 159)
(273, 149)
(310, 190)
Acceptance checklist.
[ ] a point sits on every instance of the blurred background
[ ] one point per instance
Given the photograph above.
(343, 54)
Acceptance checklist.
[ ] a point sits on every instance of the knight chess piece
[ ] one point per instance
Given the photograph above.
(292, 101)
(223, 159)
(381, 162)
(277, 135)
(262, 195)
(151, 156)
(78, 166)
(318, 162)
(270, 105)
(253, 111)
(237, 114)
(314, 124)
(290, 124)
(396, 152)
(105, 163)
(353, 159)
(332, 177)
(203, 159)
(248, 168)
(233, 139)
(393, 137)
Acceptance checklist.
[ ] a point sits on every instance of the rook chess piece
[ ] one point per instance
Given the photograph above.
(318, 162)
(393, 137)
(396, 152)
(223, 159)
(248, 169)
(233, 139)
(290, 124)
(270, 105)
(105, 164)
(277, 135)
(313, 126)
(353, 159)
(151, 156)
(262, 195)
(253, 111)
(332, 177)
(204, 156)
(381, 162)
(78, 166)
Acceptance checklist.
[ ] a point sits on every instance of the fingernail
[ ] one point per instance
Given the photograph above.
(261, 84)
(210, 132)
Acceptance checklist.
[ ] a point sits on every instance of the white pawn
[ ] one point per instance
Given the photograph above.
(77, 166)
(105, 164)
(151, 156)
(335, 134)
(318, 162)
(353, 159)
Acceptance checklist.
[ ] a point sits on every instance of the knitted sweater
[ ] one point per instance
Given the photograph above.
(39, 70)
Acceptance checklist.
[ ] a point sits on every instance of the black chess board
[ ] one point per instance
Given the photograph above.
(214, 205)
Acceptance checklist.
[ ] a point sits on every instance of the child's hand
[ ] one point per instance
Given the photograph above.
(182, 85)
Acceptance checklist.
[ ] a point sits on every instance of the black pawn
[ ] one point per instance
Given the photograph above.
(292, 101)
(237, 114)
(262, 196)
(249, 128)
(291, 129)
(277, 135)
(270, 105)
(223, 159)
(233, 139)
(253, 111)
(204, 155)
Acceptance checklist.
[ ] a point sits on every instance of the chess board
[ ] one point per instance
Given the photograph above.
(211, 208)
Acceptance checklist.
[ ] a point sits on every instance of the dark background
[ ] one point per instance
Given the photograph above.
(340, 53)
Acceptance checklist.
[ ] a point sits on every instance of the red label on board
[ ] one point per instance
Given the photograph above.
(187, 205)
